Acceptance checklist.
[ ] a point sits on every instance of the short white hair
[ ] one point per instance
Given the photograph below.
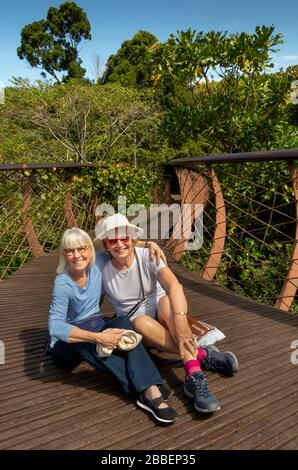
(73, 238)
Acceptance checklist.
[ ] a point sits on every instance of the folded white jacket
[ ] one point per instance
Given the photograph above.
(129, 340)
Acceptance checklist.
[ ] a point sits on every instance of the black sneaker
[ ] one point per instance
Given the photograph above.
(196, 387)
(225, 362)
(163, 415)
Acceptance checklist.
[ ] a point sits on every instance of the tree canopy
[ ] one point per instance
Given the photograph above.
(132, 64)
(52, 43)
(217, 92)
(197, 93)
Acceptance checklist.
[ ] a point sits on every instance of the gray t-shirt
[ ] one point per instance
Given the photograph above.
(123, 288)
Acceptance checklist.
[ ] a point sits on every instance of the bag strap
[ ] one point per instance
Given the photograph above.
(140, 276)
(143, 298)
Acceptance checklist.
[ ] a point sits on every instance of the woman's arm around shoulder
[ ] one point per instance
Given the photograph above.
(155, 252)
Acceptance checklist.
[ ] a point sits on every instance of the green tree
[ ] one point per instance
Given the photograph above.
(220, 92)
(52, 43)
(293, 108)
(132, 65)
(77, 121)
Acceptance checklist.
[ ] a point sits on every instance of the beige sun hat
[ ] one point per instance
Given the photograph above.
(107, 228)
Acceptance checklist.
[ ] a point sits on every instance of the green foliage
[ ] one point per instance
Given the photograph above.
(196, 94)
(14, 252)
(118, 179)
(260, 231)
(52, 44)
(217, 90)
(256, 274)
(47, 204)
(79, 122)
(131, 65)
(46, 211)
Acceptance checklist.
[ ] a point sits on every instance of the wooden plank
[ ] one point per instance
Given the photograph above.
(42, 407)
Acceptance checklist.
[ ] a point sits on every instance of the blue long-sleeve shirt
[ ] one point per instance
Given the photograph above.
(72, 303)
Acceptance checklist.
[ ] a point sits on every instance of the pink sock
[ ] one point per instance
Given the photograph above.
(192, 366)
(201, 354)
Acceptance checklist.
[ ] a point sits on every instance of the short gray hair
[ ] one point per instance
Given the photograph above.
(72, 238)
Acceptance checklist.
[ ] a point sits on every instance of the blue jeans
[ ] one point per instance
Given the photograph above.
(134, 369)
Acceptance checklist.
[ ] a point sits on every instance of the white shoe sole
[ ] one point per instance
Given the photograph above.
(235, 359)
(200, 410)
(229, 352)
(147, 408)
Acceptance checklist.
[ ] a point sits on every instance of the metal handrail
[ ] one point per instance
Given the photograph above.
(25, 231)
(191, 177)
(45, 166)
(241, 157)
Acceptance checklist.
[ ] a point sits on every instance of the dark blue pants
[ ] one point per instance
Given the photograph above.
(134, 369)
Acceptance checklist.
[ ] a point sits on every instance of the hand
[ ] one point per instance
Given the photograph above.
(155, 250)
(109, 337)
(186, 343)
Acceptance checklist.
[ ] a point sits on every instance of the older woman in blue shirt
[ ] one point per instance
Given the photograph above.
(76, 326)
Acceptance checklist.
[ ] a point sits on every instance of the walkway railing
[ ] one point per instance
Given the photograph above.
(250, 207)
(250, 234)
(38, 202)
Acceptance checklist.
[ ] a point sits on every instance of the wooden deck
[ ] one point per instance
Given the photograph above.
(45, 408)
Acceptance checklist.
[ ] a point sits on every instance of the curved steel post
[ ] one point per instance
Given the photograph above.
(35, 247)
(290, 285)
(68, 210)
(194, 189)
(220, 232)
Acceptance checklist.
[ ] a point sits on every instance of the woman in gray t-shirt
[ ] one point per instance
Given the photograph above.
(133, 282)
(154, 300)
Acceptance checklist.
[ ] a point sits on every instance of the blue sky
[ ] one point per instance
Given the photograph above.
(114, 21)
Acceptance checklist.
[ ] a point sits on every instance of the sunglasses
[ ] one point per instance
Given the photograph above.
(114, 241)
(71, 251)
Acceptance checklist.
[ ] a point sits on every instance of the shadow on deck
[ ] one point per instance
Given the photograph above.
(45, 408)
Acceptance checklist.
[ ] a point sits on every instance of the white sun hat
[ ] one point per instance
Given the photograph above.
(107, 227)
